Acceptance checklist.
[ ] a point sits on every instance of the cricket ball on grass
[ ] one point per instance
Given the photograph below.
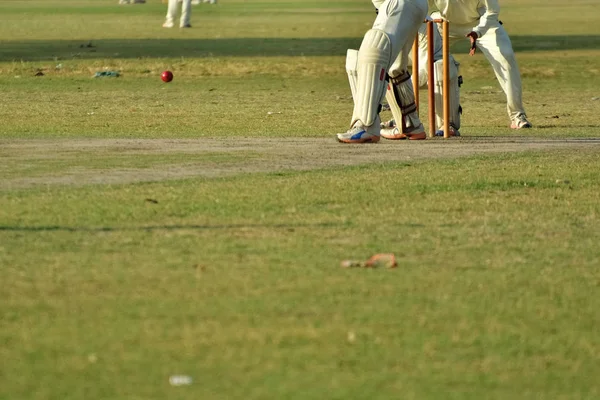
(166, 76)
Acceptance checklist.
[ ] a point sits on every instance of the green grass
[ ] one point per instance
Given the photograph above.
(229, 274)
(495, 295)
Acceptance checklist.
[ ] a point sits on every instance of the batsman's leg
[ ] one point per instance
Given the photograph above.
(395, 69)
(402, 20)
(374, 58)
(401, 98)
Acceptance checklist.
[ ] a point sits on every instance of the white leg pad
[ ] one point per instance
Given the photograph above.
(401, 98)
(454, 94)
(374, 58)
(352, 70)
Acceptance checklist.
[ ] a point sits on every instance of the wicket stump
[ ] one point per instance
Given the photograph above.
(431, 72)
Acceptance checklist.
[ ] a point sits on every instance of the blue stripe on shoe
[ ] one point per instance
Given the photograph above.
(358, 135)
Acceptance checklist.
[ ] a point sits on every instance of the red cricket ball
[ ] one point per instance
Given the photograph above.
(166, 76)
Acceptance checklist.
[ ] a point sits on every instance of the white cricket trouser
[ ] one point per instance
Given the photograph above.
(401, 24)
(390, 39)
(186, 12)
(497, 48)
(423, 53)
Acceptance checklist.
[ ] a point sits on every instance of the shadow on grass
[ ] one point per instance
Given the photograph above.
(527, 139)
(56, 228)
(173, 48)
(539, 43)
(41, 50)
(526, 43)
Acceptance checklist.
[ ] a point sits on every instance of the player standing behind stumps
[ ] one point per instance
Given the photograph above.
(393, 33)
(186, 14)
(478, 21)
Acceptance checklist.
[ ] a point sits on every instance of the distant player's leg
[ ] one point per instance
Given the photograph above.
(171, 14)
(497, 48)
(186, 14)
(374, 57)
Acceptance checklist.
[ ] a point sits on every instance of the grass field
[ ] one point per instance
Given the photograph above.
(196, 228)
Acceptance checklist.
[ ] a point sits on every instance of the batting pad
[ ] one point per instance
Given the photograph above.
(454, 93)
(351, 70)
(374, 58)
(401, 98)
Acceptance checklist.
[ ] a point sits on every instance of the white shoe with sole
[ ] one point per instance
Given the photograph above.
(417, 133)
(361, 134)
(390, 131)
(520, 122)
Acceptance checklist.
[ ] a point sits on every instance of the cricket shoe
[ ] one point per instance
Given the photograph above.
(453, 132)
(167, 25)
(520, 122)
(361, 134)
(389, 124)
(186, 26)
(390, 131)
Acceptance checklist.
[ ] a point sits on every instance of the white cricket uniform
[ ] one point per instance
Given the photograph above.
(186, 12)
(399, 21)
(389, 40)
(423, 53)
(481, 17)
(399, 66)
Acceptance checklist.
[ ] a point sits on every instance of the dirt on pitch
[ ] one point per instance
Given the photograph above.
(195, 158)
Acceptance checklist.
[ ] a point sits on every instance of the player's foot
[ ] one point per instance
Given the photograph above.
(360, 133)
(452, 133)
(417, 133)
(389, 124)
(185, 26)
(168, 25)
(520, 122)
